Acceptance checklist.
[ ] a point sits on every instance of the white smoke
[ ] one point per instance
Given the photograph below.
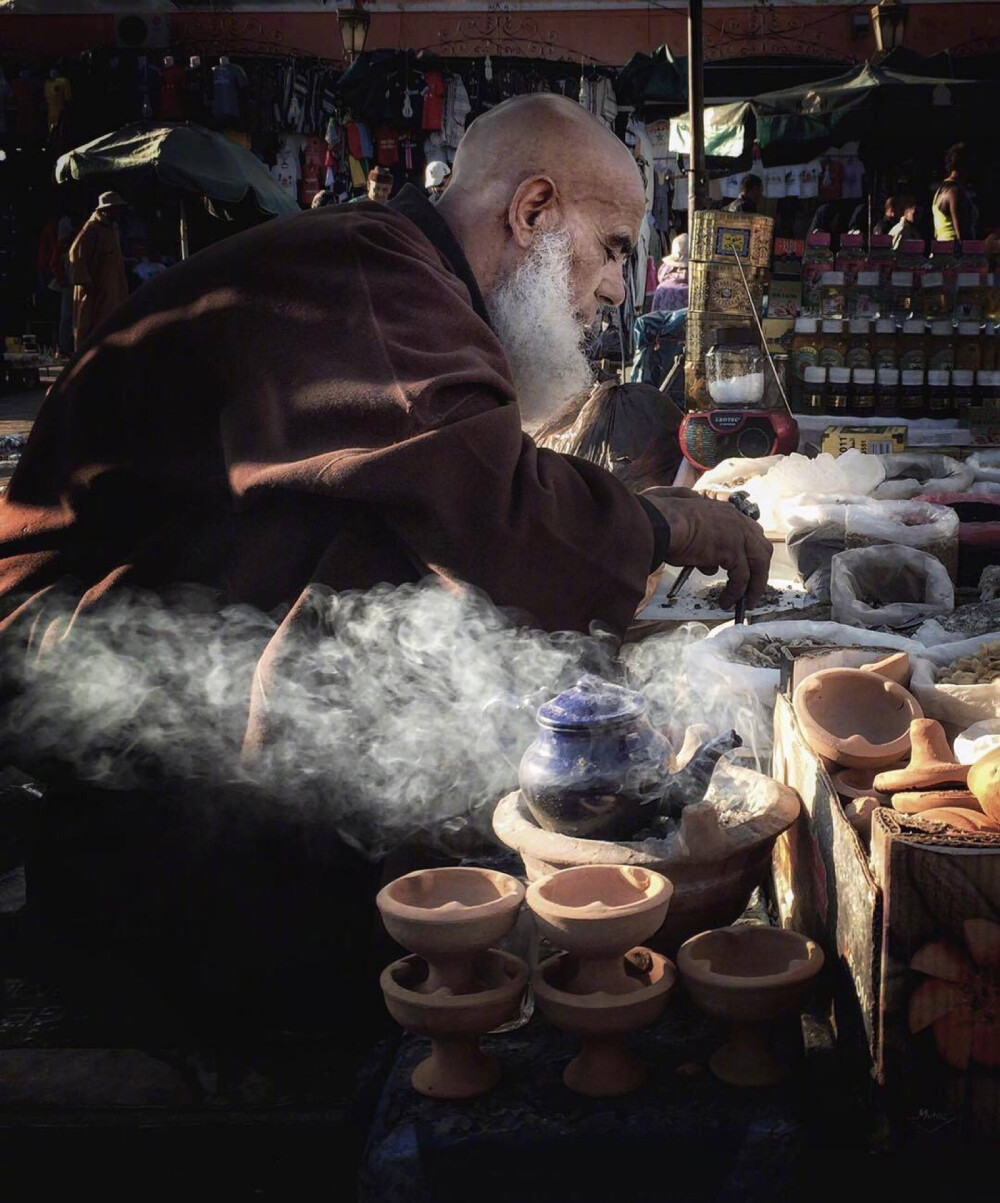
(381, 722)
(533, 315)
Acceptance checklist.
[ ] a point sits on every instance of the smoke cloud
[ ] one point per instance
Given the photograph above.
(392, 720)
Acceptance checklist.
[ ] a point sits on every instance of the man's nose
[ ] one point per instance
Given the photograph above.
(611, 290)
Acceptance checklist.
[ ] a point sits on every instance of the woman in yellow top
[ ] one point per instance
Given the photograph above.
(954, 212)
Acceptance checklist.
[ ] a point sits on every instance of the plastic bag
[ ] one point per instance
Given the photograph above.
(985, 464)
(888, 586)
(715, 658)
(910, 473)
(733, 474)
(957, 704)
(630, 429)
(818, 532)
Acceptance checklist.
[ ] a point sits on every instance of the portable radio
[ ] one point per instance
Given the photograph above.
(707, 439)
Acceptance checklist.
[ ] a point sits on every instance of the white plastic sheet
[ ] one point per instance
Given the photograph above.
(909, 586)
(909, 474)
(958, 705)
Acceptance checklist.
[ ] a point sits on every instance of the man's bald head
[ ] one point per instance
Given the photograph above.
(543, 164)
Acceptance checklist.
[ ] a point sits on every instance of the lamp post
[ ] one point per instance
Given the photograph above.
(354, 22)
(889, 20)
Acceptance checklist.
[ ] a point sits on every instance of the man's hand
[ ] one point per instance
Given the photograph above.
(713, 535)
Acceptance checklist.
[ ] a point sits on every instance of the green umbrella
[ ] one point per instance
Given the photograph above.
(182, 156)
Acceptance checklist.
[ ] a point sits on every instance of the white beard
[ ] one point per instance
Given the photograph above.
(533, 316)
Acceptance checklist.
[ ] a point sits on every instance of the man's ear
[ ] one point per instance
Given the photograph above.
(534, 205)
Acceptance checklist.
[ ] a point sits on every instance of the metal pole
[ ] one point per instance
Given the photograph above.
(696, 113)
(184, 230)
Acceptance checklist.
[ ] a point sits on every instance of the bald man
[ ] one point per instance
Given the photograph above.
(340, 398)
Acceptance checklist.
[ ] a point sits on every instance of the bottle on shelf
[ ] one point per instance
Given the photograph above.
(867, 297)
(962, 394)
(991, 299)
(832, 295)
(939, 395)
(838, 390)
(850, 257)
(885, 344)
(937, 281)
(859, 345)
(833, 344)
(814, 391)
(988, 348)
(968, 347)
(941, 346)
(818, 258)
(971, 275)
(881, 258)
(887, 392)
(863, 392)
(913, 345)
(912, 393)
(805, 350)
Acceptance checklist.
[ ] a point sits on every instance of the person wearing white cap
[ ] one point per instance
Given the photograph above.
(97, 269)
(436, 177)
(672, 277)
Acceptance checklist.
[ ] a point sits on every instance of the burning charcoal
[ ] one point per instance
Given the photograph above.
(690, 784)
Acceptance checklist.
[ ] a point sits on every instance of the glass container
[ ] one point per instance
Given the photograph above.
(734, 369)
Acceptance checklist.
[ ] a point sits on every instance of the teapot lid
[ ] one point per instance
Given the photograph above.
(592, 702)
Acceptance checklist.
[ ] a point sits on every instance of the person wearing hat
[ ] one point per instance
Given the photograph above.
(379, 187)
(672, 278)
(436, 178)
(97, 269)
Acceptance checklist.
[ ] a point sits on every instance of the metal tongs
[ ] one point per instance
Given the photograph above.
(741, 500)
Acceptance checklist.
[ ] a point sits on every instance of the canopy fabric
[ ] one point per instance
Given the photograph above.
(725, 131)
(179, 155)
(840, 109)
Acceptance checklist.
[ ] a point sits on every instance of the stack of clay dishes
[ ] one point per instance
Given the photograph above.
(455, 987)
(753, 978)
(603, 985)
(859, 798)
(984, 782)
(855, 718)
(933, 784)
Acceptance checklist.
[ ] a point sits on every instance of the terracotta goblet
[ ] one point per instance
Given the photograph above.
(751, 977)
(446, 916)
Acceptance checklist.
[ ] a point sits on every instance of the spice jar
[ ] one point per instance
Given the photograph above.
(971, 275)
(832, 295)
(814, 391)
(865, 299)
(991, 302)
(913, 345)
(838, 390)
(885, 345)
(863, 392)
(937, 285)
(940, 347)
(859, 344)
(805, 349)
(881, 258)
(850, 258)
(939, 395)
(833, 345)
(968, 347)
(887, 391)
(912, 401)
(818, 258)
(988, 349)
(962, 395)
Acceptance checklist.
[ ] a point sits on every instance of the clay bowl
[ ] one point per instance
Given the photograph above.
(894, 668)
(605, 1066)
(750, 977)
(854, 783)
(984, 781)
(597, 913)
(713, 868)
(445, 915)
(457, 1068)
(856, 719)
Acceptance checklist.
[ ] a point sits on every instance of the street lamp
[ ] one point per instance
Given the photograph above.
(354, 22)
(889, 19)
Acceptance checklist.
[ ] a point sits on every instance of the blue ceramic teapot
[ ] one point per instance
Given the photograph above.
(596, 760)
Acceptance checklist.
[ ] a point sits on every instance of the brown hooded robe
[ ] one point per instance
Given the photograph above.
(97, 273)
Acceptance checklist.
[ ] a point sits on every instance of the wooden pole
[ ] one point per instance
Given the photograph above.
(185, 251)
(697, 188)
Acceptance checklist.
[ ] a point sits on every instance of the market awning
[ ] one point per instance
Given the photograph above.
(850, 107)
(179, 155)
(725, 131)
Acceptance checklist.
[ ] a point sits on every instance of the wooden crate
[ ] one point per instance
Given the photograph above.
(922, 899)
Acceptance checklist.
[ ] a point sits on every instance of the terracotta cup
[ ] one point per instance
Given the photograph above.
(984, 781)
(751, 977)
(598, 913)
(447, 915)
(457, 1067)
(605, 1066)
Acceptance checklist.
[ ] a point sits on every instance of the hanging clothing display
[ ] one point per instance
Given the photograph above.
(58, 92)
(434, 96)
(287, 170)
(457, 107)
(228, 80)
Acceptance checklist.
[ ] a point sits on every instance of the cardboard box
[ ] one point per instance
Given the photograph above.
(872, 440)
(913, 933)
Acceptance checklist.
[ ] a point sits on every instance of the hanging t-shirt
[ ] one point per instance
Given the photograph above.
(227, 80)
(854, 174)
(6, 98)
(831, 180)
(358, 177)
(774, 183)
(386, 146)
(287, 171)
(434, 94)
(57, 92)
(809, 180)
